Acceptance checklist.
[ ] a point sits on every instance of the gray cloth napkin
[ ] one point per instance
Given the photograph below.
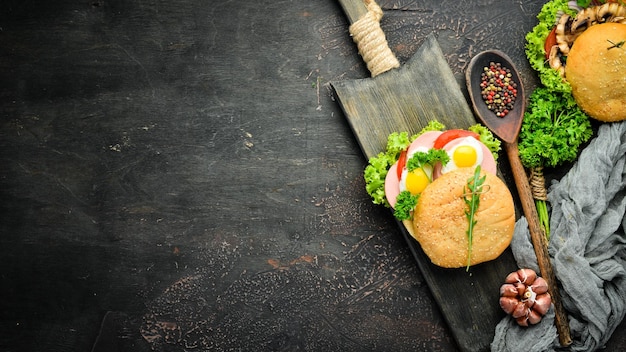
(587, 247)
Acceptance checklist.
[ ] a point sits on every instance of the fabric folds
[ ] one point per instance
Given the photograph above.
(587, 247)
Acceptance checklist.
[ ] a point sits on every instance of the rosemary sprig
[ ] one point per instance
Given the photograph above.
(471, 196)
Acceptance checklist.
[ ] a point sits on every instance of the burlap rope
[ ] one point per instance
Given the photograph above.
(371, 42)
(538, 183)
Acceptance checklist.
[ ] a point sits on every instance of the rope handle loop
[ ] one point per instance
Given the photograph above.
(371, 41)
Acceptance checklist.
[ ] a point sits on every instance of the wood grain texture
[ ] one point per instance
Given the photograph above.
(404, 99)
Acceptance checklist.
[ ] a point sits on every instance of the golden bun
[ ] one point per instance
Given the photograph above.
(440, 224)
(596, 70)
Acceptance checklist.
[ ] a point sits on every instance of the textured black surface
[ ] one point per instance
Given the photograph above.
(175, 176)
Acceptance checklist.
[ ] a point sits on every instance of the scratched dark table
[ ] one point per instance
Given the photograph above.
(177, 176)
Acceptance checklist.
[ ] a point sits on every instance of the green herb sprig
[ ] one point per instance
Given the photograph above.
(405, 204)
(471, 196)
(615, 45)
(420, 159)
(553, 131)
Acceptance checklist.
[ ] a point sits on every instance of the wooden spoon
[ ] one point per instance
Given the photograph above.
(507, 129)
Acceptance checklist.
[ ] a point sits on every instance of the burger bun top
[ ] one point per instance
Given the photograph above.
(596, 70)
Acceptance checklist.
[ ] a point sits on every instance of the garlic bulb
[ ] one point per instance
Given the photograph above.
(524, 295)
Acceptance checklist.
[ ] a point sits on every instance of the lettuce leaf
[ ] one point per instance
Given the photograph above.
(535, 44)
(487, 138)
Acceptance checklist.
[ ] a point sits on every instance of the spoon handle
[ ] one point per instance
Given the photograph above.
(538, 238)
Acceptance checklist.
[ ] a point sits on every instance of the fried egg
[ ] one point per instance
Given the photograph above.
(463, 152)
(416, 181)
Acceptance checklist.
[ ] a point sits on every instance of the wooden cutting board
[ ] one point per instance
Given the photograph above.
(406, 99)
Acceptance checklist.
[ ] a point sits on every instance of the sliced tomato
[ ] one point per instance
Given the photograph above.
(550, 42)
(449, 135)
(401, 163)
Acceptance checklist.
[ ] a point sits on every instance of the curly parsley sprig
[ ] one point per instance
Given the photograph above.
(405, 204)
(432, 156)
(553, 130)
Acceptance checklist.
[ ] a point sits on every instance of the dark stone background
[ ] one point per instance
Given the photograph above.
(176, 175)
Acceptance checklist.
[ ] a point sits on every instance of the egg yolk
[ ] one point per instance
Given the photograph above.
(416, 181)
(464, 156)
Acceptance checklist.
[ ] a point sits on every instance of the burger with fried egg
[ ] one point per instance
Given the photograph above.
(445, 189)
